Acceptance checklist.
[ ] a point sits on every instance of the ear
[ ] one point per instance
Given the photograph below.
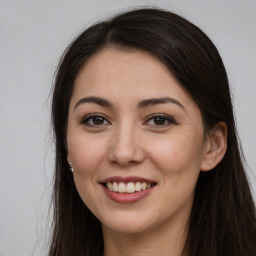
(216, 146)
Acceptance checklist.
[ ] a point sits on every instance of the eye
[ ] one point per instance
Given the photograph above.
(160, 121)
(95, 120)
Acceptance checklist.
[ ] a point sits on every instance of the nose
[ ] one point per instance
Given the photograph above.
(126, 147)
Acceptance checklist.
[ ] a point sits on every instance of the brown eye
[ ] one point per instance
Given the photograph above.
(98, 120)
(160, 121)
(95, 120)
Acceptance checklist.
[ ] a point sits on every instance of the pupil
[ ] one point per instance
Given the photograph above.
(98, 120)
(159, 121)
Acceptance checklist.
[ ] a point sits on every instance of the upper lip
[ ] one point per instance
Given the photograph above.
(126, 179)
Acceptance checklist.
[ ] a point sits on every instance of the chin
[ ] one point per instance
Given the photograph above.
(128, 224)
(127, 228)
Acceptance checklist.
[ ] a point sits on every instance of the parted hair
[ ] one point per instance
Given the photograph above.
(222, 220)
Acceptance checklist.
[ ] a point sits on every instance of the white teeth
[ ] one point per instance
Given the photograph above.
(138, 186)
(121, 187)
(110, 186)
(143, 185)
(115, 187)
(129, 187)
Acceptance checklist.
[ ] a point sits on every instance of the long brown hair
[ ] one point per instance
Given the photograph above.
(222, 220)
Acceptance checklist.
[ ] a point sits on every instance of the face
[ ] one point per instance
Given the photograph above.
(136, 142)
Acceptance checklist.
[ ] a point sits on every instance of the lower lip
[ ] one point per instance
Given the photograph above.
(126, 197)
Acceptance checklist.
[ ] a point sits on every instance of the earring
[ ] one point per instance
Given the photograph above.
(70, 166)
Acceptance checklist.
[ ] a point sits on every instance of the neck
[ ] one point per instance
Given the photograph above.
(164, 241)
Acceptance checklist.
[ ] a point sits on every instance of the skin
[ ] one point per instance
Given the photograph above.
(128, 141)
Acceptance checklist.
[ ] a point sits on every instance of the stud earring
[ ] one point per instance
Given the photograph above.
(70, 166)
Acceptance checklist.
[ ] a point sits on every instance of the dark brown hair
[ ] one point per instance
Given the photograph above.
(222, 220)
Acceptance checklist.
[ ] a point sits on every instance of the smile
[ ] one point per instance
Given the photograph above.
(130, 187)
(127, 189)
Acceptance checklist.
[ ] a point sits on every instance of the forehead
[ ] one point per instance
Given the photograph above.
(127, 75)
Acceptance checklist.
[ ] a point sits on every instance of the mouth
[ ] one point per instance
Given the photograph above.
(129, 187)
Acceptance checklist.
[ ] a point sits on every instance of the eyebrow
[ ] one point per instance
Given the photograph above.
(97, 100)
(156, 101)
(142, 104)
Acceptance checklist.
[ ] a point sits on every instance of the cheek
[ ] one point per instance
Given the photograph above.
(86, 154)
(178, 161)
(177, 155)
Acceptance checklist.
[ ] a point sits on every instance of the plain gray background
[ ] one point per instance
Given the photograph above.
(33, 34)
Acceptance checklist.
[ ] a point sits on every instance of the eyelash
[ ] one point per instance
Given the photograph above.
(165, 118)
(91, 118)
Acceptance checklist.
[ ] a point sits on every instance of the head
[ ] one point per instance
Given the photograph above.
(194, 67)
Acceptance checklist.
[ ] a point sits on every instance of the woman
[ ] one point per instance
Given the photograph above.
(147, 156)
